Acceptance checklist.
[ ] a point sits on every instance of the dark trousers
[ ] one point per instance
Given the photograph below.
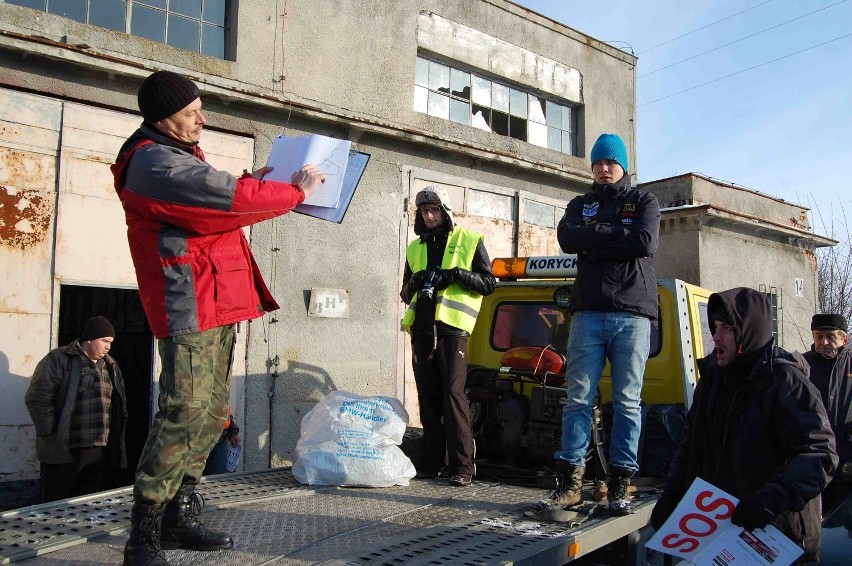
(444, 410)
(80, 477)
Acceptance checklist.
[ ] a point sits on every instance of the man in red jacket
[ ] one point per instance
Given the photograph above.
(197, 278)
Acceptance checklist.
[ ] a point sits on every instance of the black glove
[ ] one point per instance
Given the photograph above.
(753, 512)
(416, 280)
(444, 278)
(663, 509)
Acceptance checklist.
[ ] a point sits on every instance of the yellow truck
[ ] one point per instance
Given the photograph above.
(515, 391)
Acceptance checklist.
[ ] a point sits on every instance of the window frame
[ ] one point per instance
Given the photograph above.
(498, 104)
(227, 28)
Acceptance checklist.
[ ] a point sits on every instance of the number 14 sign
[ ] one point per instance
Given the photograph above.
(700, 531)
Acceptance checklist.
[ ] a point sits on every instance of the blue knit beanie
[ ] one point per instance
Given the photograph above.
(610, 146)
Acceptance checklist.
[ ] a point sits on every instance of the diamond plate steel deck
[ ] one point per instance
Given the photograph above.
(274, 520)
(40, 529)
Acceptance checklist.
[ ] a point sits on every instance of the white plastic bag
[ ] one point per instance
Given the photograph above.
(350, 439)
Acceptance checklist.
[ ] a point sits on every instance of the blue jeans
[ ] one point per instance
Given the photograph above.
(624, 339)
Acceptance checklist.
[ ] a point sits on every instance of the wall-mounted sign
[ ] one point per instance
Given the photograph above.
(329, 303)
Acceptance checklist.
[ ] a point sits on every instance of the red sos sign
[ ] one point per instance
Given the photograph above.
(694, 526)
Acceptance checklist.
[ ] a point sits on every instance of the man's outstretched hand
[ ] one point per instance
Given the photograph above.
(309, 178)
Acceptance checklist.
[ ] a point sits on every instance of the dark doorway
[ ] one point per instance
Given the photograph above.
(132, 349)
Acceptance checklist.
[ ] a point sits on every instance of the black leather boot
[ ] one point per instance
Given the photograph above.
(182, 529)
(143, 546)
(617, 494)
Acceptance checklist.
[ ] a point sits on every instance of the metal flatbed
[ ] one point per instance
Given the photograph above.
(276, 520)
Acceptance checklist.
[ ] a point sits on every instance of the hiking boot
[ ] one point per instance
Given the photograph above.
(182, 529)
(569, 484)
(616, 490)
(461, 480)
(143, 546)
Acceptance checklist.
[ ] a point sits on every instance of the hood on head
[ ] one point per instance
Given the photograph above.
(748, 312)
(433, 195)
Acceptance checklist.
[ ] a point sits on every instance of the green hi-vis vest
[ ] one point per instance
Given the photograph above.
(454, 305)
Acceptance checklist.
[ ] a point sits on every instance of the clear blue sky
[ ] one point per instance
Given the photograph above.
(784, 128)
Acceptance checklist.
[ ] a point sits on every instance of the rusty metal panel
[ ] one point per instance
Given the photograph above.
(535, 240)
(29, 140)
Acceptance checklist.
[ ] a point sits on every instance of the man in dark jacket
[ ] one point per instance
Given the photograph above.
(77, 402)
(756, 428)
(614, 230)
(830, 361)
(447, 272)
(197, 278)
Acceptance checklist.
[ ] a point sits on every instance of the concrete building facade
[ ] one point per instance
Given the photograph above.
(496, 103)
(718, 235)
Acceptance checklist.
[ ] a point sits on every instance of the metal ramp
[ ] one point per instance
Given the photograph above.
(275, 520)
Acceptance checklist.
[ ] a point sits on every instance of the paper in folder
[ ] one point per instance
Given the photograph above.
(343, 169)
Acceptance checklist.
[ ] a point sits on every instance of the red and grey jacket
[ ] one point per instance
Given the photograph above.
(194, 266)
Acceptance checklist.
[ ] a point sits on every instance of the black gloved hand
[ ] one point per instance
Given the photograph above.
(416, 280)
(444, 278)
(753, 512)
(663, 509)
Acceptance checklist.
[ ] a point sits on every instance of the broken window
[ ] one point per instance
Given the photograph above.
(195, 25)
(466, 98)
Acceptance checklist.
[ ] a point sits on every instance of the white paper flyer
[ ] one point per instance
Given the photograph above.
(331, 155)
(700, 531)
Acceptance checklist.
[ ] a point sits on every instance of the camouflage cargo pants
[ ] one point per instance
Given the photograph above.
(193, 408)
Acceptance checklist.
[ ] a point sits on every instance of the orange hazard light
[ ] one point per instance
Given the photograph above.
(509, 267)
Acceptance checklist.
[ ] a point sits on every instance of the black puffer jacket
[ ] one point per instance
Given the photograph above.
(614, 230)
(757, 426)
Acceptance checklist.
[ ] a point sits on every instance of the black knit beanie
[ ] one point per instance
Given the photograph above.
(164, 93)
(97, 327)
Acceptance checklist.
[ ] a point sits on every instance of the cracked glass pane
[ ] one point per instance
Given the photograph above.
(481, 91)
(481, 118)
(439, 77)
(460, 84)
(537, 106)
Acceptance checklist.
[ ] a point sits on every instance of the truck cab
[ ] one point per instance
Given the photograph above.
(516, 356)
